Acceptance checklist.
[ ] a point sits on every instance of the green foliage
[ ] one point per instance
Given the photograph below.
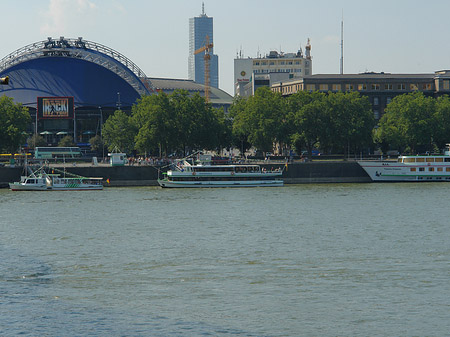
(96, 143)
(178, 122)
(261, 119)
(412, 121)
(66, 141)
(35, 141)
(119, 132)
(14, 120)
(337, 121)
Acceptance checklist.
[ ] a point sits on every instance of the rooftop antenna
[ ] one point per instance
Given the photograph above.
(342, 43)
(203, 9)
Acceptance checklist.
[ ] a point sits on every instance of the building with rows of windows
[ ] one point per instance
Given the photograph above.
(380, 88)
(252, 73)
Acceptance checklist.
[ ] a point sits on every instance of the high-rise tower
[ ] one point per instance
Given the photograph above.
(200, 27)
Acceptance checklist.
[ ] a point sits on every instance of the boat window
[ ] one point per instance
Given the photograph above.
(430, 160)
(413, 169)
(431, 169)
(399, 160)
(421, 169)
(447, 169)
(447, 160)
(439, 169)
(410, 160)
(420, 160)
(439, 159)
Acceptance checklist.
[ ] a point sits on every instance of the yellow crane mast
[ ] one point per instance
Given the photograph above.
(206, 48)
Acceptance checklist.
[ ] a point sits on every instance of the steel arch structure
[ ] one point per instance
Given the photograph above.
(84, 50)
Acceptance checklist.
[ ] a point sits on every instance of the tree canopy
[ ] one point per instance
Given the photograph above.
(411, 122)
(14, 120)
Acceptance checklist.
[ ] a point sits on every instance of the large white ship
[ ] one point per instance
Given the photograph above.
(410, 168)
(205, 175)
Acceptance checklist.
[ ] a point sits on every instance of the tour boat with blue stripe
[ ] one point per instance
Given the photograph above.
(185, 174)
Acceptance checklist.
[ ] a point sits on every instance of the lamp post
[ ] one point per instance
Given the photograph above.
(101, 132)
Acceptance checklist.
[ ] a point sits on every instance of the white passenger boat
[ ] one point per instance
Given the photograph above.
(410, 168)
(40, 180)
(205, 175)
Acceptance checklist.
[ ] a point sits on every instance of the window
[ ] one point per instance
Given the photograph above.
(388, 100)
(271, 63)
(447, 169)
(375, 86)
(257, 63)
(412, 169)
(310, 87)
(376, 114)
(401, 86)
(362, 87)
(446, 84)
(413, 87)
(376, 101)
(282, 63)
(349, 87)
(430, 160)
(426, 86)
(439, 169)
(323, 87)
(439, 159)
(420, 160)
(431, 169)
(388, 87)
(336, 87)
(421, 169)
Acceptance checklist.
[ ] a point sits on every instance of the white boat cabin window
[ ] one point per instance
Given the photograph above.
(439, 159)
(430, 160)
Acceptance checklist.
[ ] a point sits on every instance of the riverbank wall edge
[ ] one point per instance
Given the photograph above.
(296, 173)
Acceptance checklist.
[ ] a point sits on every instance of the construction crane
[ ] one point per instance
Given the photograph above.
(207, 47)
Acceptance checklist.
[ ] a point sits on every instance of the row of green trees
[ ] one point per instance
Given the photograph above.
(334, 122)
(163, 124)
(178, 122)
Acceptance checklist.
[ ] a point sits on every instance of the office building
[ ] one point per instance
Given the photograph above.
(380, 88)
(252, 73)
(200, 34)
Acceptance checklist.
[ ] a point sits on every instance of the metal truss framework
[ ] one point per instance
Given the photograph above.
(85, 50)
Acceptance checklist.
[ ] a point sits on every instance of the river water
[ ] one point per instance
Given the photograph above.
(301, 260)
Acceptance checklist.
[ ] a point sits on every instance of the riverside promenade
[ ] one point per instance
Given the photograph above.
(146, 175)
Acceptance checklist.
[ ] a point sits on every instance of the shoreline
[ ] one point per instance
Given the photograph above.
(315, 172)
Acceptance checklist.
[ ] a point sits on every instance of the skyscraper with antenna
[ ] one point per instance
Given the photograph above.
(201, 27)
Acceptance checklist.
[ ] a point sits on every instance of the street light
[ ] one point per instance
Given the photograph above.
(101, 133)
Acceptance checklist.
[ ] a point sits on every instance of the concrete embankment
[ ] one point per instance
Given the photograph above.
(297, 173)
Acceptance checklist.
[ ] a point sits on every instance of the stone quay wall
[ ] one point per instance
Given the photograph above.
(296, 173)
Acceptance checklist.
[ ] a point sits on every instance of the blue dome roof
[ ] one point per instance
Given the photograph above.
(91, 73)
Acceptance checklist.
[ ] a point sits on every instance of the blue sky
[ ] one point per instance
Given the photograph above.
(396, 36)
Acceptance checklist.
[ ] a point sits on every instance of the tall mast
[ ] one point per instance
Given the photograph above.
(342, 43)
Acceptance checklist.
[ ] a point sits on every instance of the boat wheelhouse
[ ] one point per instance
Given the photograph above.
(186, 175)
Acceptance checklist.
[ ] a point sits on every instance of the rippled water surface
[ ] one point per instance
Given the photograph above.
(305, 260)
